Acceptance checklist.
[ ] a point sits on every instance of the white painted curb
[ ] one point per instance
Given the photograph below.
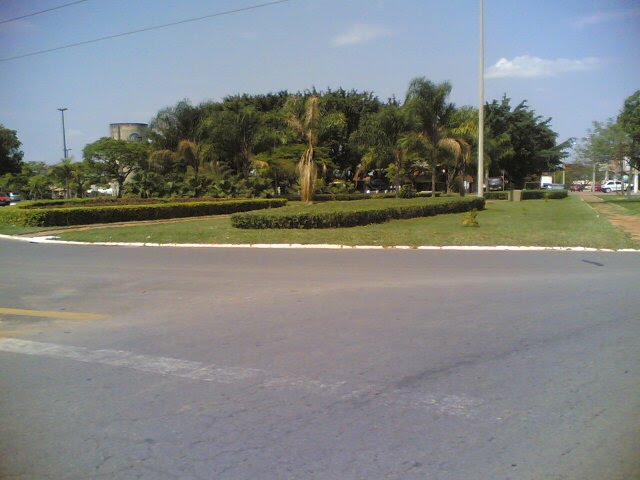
(499, 248)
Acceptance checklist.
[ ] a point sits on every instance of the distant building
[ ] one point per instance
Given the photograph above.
(132, 132)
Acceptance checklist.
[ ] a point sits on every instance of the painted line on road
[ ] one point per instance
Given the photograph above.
(51, 314)
(166, 366)
(480, 248)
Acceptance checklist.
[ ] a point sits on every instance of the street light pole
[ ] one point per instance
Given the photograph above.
(64, 136)
(480, 175)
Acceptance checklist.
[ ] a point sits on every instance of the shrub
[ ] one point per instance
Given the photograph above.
(361, 213)
(49, 217)
(407, 191)
(496, 195)
(539, 194)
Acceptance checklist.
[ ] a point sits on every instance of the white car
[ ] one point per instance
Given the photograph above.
(611, 186)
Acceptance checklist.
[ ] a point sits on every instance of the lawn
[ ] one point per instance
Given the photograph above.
(567, 222)
(631, 204)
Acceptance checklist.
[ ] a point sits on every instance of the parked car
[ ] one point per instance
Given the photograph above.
(4, 199)
(495, 183)
(577, 187)
(14, 197)
(597, 187)
(555, 186)
(611, 186)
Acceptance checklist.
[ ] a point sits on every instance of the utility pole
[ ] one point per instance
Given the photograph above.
(64, 136)
(480, 175)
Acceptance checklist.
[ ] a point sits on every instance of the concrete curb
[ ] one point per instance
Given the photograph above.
(496, 248)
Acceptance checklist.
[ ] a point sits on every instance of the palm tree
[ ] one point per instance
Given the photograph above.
(194, 155)
(383, 138)
(428, 107)
(305, 118)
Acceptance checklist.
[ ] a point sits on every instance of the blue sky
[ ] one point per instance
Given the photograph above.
(573, 60)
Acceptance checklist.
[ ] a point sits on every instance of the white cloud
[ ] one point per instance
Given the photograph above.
(526, 66)
(603, 17)
(360, 33)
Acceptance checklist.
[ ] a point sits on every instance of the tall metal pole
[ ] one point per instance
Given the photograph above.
(64, 136)
(480, 181)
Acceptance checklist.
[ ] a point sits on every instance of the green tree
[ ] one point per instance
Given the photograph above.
(382, 137)
(431, 112)
(114, 160)
(629, 121)
(62, 173)
(526, 144)
(10, 153)
(306, 119)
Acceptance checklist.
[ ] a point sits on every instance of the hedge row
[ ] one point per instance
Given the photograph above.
(344, 197)
(107, 201)
(496, 195)
(538, 194)
(53, 217)
(364, 214)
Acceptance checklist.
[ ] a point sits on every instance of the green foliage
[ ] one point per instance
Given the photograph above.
(496, 195)
(351, 214)
(470, 219)
(47, 217)
(115, 160)
(526, 144)
(10, 153)
(407, 191)
(629, 120)
(546, 194)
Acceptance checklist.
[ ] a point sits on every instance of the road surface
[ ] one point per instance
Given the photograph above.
(161, 363)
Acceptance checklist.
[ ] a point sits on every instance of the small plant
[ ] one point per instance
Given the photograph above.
(407, 191)
(470, 219)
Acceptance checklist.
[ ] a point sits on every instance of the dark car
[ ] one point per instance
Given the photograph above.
(577, 187)
(4, 199)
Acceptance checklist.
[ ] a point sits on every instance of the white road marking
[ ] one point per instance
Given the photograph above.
(165, 365)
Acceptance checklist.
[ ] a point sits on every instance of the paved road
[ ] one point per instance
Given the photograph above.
(311, 364)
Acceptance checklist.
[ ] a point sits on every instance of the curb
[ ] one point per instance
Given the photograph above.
(475, 248)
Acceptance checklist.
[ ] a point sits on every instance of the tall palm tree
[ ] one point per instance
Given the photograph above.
(305, 120)
(194, 155)
(428, 106)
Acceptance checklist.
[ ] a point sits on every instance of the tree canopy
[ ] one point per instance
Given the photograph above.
(10, 153)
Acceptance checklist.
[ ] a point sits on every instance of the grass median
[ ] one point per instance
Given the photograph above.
(566, 223)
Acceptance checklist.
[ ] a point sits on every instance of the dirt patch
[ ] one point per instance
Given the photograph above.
(616, 215)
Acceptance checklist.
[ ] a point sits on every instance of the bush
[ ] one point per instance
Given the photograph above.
(407, 191)
(496, 195)
(53, 217)
(361, 213)
(539, 194)
(105, 201)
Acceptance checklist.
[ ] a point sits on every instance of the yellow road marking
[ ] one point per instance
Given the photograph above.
(51, 314)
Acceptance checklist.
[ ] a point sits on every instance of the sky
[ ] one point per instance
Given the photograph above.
(572, 60)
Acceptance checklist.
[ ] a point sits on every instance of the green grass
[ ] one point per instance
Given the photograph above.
(568, 222)
(631, 204)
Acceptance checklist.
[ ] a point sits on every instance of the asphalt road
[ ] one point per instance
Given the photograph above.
(318, 364)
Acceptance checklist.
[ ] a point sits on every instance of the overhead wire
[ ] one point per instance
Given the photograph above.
(146, 29)
(42, 11)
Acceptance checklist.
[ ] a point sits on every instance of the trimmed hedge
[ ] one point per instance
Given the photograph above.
(496, 195)
(108, 201)
(344, 197)
(55, 217)
(539, 194)
(314, 217)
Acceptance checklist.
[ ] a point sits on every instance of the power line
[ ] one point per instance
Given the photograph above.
(42, 11)
(147, 29)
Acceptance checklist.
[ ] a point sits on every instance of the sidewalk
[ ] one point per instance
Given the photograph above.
(616, 215)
